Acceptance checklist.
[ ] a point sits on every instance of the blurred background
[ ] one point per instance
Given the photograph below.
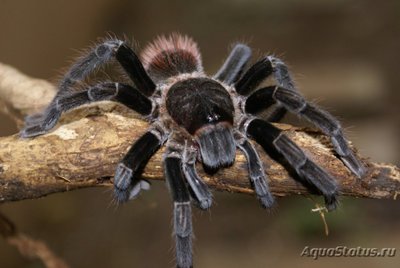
(343, 54)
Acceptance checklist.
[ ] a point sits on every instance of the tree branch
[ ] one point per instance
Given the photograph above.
(22, 95)
(84, 148)
(27, 246)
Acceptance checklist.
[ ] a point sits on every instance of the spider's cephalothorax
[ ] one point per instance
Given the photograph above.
(199, 118)
(204, 108)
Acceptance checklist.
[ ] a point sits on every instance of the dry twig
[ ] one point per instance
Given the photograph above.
(27, 246)
(83, 149)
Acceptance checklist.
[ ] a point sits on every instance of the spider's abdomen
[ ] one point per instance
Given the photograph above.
(204, 108)
(170, 56)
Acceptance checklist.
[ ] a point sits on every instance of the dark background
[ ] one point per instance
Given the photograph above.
(343, 54)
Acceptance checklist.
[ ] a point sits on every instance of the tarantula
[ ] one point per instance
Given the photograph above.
(199, 118)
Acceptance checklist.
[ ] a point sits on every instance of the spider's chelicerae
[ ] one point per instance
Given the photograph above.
(199, 118)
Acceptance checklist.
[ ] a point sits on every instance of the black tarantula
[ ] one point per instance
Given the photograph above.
(199, 118)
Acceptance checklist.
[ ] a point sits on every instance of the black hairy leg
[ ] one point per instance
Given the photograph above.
(94, 59)
(261, 70)
(234, 65)
(122, 93)
(286, 97)
(182, 210)
(127, 183)
(202, 196)
(283, 78)
(272, 139)
(295, 103)
(102, 54)
(254, 76)
(257, 175)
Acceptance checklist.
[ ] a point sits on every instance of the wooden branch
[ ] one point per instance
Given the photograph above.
(84, 148)
(22, 95)
(27, 246)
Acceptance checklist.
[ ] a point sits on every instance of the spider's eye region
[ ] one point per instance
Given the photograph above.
(196, 102)
(213, 118)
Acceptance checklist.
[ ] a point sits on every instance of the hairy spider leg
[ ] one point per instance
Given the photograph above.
(127, 183)
(133, 66)
(272, 139)
(253, 77)
(258, 179)
(282, 75)
(97, 57)
(200, 191)
(259, 100)
(260, 71)
(287, 98)
(292, 100)
(121, 93)
(182, 210)
(234, 65)
(102, 54)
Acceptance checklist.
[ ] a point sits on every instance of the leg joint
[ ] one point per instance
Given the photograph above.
(107, 49)
(290, 99)
(103, 92)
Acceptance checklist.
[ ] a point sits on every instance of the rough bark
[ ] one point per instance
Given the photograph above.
(84, 148)
(20, 94)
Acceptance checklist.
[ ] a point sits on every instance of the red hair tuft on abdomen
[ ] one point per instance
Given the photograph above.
(170, 56)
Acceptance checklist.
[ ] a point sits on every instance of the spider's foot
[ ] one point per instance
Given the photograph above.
(347, 156)
(123, 177)
(201, 196)
(33, 119)
(267, 201)
(32, 131)
(204, 204)
(36, 130)
(331, 202)
(122, 196)
(183, 233)
(262, 191)
(38, 125)
(132, 192)
(184, 252)
(354, 164)
(135, 190)
(125, 188)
